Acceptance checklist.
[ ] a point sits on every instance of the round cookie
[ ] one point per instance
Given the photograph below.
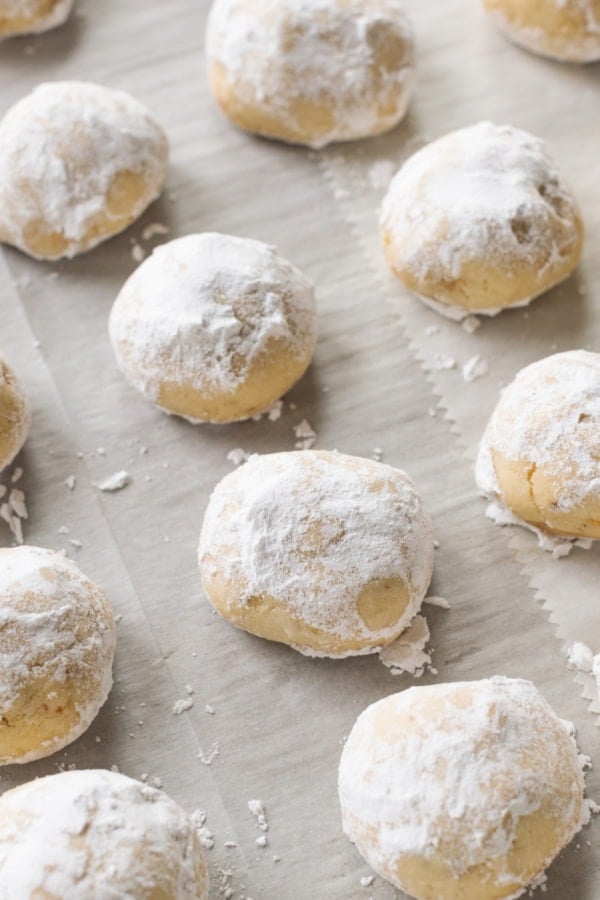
(32, 16)
(540, 453)
(78, 164)
(480, 220)
(57, 642)
(15, 417)
(331, 554)
(567, 30)
(214, 328)
(462, 791)
(311, 71)
(93, 833)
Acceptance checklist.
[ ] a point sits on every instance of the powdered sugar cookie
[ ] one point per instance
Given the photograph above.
(461, 791)
(57, 642)
(78, 164)
(329, 553)
(481, 220)
(93, 833)
(15, 417)
(311, 71)
(539, 457)
(32, 16)
(568, 30)
(214, 328)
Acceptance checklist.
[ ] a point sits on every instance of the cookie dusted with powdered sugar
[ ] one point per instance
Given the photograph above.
(329, 553)
(214, 328)
(462, 791)
(481, 220)
(311, 71)
(15, 417)
(539, 458)
(78, 164)
(567, 30)
(94, 833)
(32, 16)
(57, 642)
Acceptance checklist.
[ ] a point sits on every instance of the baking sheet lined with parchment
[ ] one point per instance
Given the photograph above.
(278, 719)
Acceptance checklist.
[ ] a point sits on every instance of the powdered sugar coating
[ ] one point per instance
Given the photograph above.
(203, 308)
(486, 196)
(549, 417)
(40, 16)
(94, 833)
(446, 773)
(352, 58)
(56, 626)
(61, 149)
(312, 529)
(567, 30)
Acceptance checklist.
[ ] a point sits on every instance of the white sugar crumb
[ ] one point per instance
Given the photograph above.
(181, 706)
(261, 840)
(470, 324)
(209, 757)
(539, 882)
(204, 834)
(138, 254)
(475, 367)
(154, 230)
(407, 653)
(581, 657)
(367, 880)
(273, 413)
(436, 544)
(257, 808)
(114, 482)
(16, 475)
(443, 361)
(431, 329)
(377, 454)
(230, 844)
(437, 601)
(75, 543)
(70, 482)
(16, 500)
(305, 435)
(208, 709)
(381, 173)
(237, 456)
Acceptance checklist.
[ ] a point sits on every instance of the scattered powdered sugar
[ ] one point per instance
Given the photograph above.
(443, 361)
(305, 434)
(441, 602)
(273, 413)
(485, 195)
(14, 509)
(66, 834)
(449, 771)
(202, 309)
(211, 754)
(475, 367)
(354, 60)
(205, 835)
(559, 547)
(407, 654)
(155, 229)
(237, 456)
(581, 657)
(63, 146)
(181, 706)
(257, 808)
(548, 419)
(70, 482)
(470, 324)
(312, 530)
(115, 482)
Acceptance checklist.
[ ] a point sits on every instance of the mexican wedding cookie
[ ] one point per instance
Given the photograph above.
(461, 791)
(78, 163)
(14, 415)
(329, 553)
(568, 30)
(311, 71)
(539, 458)
(57, 642)
(214, 328)
(32, 16)
(94, 833)
(480, 220)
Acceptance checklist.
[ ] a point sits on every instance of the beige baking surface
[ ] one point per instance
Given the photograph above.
(280, 718)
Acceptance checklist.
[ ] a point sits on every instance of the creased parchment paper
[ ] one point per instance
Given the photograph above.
(279, 719)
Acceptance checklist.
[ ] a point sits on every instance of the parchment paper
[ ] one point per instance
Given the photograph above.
(279, 718)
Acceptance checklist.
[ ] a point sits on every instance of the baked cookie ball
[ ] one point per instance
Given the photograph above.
(14, 415)
(311, 71)
(540, 453)
(328, 553)
(57, 642)
(94, 833)
(480, 220)
(32, 16)
(462, 791)
(214, 328)
(78, 163)
(568, 30)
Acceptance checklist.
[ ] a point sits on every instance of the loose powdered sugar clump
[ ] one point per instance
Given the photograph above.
(548, 418)
(312, 530)
(95, 833)
(61, 149)
(353, 60)
(203, 308)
